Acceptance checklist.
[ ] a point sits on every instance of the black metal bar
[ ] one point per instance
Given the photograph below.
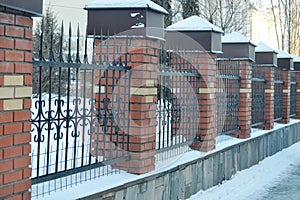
(73, 171)
(51, 57)
(82, 66)
(60, 44)
(77, 60)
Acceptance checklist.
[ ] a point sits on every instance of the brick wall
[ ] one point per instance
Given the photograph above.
(286, 97)
(15, 104)
(245, 100)
(207, 103)
(269, 99)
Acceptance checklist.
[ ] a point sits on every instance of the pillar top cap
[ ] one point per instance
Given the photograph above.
(29, 7)
(115, 4)
(296, 58)
(263, 48)
(283, 54)
(236, 38)
(194, 23)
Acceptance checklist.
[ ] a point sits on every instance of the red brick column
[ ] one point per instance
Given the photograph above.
(245, 100)
(141, 55)
(207, 103)
(286, 97)
(269, 98)
(298, 95)
(143, 58)
(15, 104)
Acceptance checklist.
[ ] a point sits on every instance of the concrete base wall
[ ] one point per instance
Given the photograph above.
(187, 179)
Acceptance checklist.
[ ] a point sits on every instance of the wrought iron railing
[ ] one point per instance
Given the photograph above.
(278, 94)
(293, 94)
(227, 96)
(79, 125)
(258, 95)
(177, 103)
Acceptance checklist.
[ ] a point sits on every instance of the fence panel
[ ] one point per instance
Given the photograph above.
(278, 94)
(293, 97)
(177, 104)
(258, 95)
(227, 96)
(79, 125)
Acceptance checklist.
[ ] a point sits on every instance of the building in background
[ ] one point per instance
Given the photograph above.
(69, 11)
(262, 27)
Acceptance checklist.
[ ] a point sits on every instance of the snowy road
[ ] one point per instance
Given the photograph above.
(270, 179)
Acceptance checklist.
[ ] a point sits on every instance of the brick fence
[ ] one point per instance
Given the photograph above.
(15, 104)
(16, 91)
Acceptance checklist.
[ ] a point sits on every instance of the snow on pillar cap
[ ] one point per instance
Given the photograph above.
(265, 55)
(237, 46)
(199, 30)
(126, 17)
(296, 60)
(108, 4)
(285, 60)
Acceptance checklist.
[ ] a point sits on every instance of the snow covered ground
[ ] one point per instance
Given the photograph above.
(258, 181)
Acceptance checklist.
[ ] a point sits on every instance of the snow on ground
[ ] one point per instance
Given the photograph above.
(254, 182)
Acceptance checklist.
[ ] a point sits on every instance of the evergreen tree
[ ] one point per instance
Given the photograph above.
(189, 8)
(44, 75)
(166, 4)
(50, 22)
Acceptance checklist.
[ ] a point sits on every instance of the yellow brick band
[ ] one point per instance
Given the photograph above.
(13, 80)
(298, 90)
(102, 89)
(149, 99)
(269, 91)
(150, 83)
(23, 92)
(244, 91)
(16, 104)
(286, 91)
(207, 90)
(6, 92)
(143, 91)
(176, 90)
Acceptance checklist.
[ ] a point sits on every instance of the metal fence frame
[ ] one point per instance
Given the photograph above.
(227, 96)
(278, 94)
(293, 94)
(177, 116)
(75, 126)
(258, 95)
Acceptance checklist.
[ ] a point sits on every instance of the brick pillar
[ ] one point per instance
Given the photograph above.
(245, 100)
(142, 57)
(206, 140)
(286, 97)
(269, 98)
(15, 104)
